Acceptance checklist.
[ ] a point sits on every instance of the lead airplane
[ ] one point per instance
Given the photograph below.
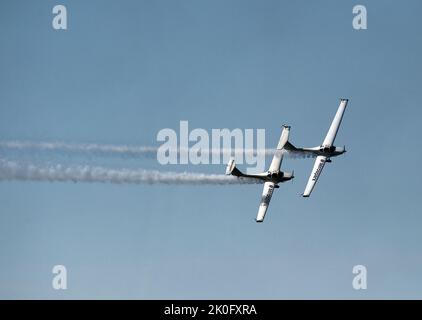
(271, 178)
(324, 152)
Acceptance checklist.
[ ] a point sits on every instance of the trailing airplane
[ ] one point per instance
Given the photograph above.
(271, 178)
(324, 152)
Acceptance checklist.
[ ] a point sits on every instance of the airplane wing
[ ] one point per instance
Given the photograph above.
(332, 132)
(275, 166)
(265, 200)
(278, 155)
(316, 171)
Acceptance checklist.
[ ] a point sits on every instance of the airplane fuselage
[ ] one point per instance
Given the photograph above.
(325, 151)
(276, 176)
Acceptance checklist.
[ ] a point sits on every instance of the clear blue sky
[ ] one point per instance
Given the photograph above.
(126, 69)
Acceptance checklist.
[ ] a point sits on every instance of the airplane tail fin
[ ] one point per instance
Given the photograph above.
(232, 170)
(290, 147)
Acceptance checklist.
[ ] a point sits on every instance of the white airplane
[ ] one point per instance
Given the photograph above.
(324, 152)
(271, 178)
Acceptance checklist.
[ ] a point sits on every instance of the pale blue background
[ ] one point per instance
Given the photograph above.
(126, 69)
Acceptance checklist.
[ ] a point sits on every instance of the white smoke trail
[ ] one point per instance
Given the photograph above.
(10, 170)
(84, 148)
(129, 151)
